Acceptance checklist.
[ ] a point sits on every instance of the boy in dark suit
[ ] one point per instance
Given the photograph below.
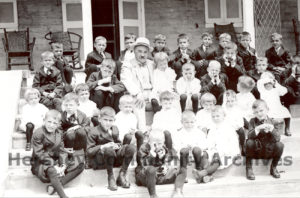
(95, 58)
(49, 157)
(263, 140)
(160, 45)
(231, 65)
(247, 53)
(277, 56)
(153, 162)
(48, 81)
(74, 125)
(292, 83)
(180, 56)
(126, 54)
(62, 64)
(224, 39)
(105, 88)
(214, 81)
(203, 54)
(104, 148)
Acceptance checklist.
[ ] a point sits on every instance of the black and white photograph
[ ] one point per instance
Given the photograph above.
(149, 98)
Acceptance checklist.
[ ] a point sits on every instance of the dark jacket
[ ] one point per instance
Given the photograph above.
(94, 58)
(80, 119)
(164, 49)
(254, 74)
(278, 60)
(175, 57)
(45, 146)
(48, 83)
(248, 57)
(117, 85)
(263, 137)
(97, 136)
(293, 86)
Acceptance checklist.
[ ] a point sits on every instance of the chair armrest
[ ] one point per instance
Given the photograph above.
(31, 45)
(4, 45)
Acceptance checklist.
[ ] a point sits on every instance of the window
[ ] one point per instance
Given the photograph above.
(72, 19)
(8, 14)
(223, 12)
(132, 18)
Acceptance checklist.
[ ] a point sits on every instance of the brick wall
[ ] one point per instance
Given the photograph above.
(41, 17)
(172, 17)
(288, 11)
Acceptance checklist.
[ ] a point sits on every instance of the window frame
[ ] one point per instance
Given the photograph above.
(69, 24)
(140, 22)
(11, 26)
(223, 20)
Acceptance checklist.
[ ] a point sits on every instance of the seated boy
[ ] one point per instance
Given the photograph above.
(126, 54)
(260, 67)
(168, 118)
(88, 107)
(95, 58)
(126, 121)
(62, 64)
(203, 116)
(163, 79)
(214, 82)
(190, 139)
(104, 149)
(247, 53)
(224, 38)
(204, 54)
(105, 88)
(49, 157)
(263, 140)
(160, 45)
(277, 56)
(32, 114)
(223, 146)
(231, 65)
(188, 87)
(292, 83)
(74, 125)
(153, 163)
(49, 82)
(180, 56)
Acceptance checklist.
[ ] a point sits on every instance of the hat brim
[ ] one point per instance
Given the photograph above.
(142, 44)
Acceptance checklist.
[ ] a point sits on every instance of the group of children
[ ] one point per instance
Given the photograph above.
(212, 104)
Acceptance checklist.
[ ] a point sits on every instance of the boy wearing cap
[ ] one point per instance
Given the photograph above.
(105, 88)
(160, 45)
(95, 58)
(137, 76)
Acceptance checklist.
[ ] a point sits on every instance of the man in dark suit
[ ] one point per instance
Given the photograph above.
(95, 58)
(104, 149)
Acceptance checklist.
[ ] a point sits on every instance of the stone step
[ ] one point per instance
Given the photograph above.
(19, 140)
(92, 183)
(295, 110)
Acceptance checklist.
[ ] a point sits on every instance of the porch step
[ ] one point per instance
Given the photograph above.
(295, 110)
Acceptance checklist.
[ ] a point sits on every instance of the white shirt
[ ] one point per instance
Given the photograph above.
(163, 81)
(234, 116)
(245, 102)
(88, 107)
(34, 114)
(188, 87)
(204, 119)
(125, 123)
(194, 138)
(169, 120)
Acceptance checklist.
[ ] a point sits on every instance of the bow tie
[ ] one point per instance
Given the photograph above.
(72, 118)
(142, 64)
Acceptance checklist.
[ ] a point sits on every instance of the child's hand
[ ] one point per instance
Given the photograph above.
(110, 89)
(73, 128)
(268, 128)
(201, 62)
(51, 95)
(45, 94)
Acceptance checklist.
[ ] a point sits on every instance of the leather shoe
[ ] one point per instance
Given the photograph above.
(112, 183)
(249, 174)
(274, 172)
(122, 181)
